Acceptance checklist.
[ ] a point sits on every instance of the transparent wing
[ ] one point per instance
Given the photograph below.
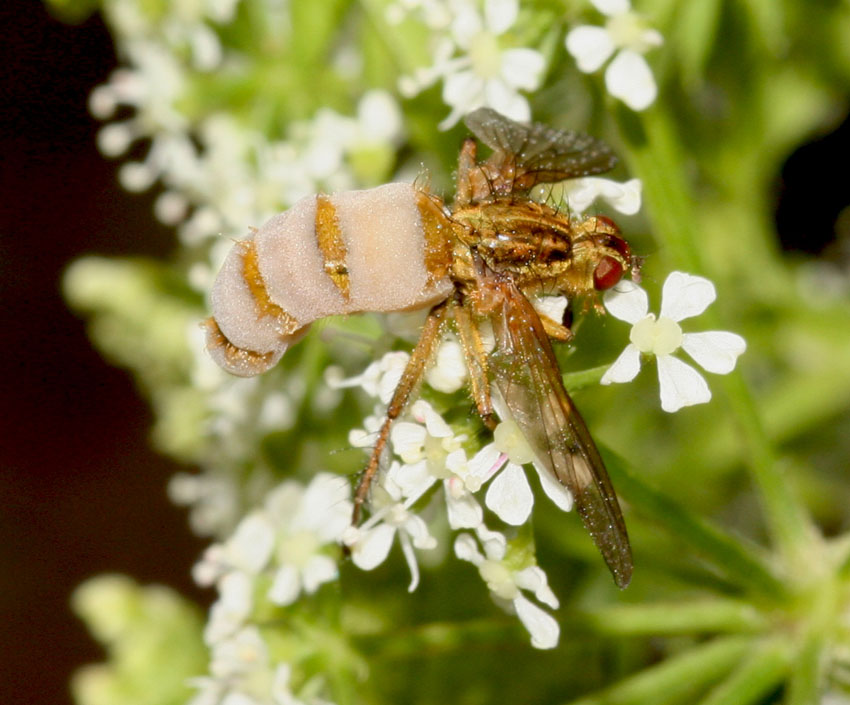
(526, 155)
(526, 374)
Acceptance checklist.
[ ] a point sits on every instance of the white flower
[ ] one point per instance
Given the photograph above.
(579, 194)
(233, 607)
(247, 550)
(448, 373)
(370, 543)
(288, 541)
(485, 74)
(506, 581)
(379, 379)
(683, 296)
(628, 76)
(307, 520)
(432, 453)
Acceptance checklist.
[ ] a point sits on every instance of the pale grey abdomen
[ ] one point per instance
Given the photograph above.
(372, 250)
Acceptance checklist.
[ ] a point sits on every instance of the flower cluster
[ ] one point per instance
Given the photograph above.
(476, 63)
(290, 546)
(626, 34)
(429, 455)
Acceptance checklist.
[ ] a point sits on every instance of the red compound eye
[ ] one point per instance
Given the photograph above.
(607, 273)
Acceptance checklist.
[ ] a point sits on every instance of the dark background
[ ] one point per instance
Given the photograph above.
(81, 492)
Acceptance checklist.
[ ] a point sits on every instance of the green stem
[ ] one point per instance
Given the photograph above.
(657, 157)
(717, 615)
(731, 556)
(677, 678)
(439, 637)
(759, 674)
(812, 657)
(584, 378)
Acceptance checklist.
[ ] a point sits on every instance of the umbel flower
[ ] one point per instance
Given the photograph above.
(507, 577)
(628, 76)
(476, 70)
(683, 296)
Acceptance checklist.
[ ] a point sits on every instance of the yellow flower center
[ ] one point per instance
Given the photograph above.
(626, 30)
(658, 337)
(298, 549)
(511, 441)
(498, 579)
(485, 55)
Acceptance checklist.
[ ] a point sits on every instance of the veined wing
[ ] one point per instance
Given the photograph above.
(526, 155)
(526, 373)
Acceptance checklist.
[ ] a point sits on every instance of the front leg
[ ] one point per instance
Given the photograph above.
(465, 168)
(410, 379)
(475, 357)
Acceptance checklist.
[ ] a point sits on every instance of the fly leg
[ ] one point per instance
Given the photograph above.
(408, 383)
(465, 167)
(476, 363)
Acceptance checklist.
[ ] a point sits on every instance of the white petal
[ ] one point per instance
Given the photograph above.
(522, 68)
(373, 547)
(408, 440)
(283, 501)
(281, 692)
(466, 548)
(448, 373)
(651, 38)
(413, 480)
(509, 496)
(629, 78)
(590, 46)
(624, 368)
(716, 351)
(534, 579)
(410, 559)
(612, 7)
(434, 423)
(464, 92)
(392, 367)
(554, 490)
(552, 306)
(495, 544)
(325, 506)
(319, 569)
(543, 628)
(286, 586)
(251, 545)
(627, 301)
(484, 463)
(232, 607)
(467, 23)
(686, 295)
(463, 511)
(509, 438)
(234, 697)
(504, 99)
(500, 15)
(417, 529)
(379, 116)
(624, 198)
(681, 384)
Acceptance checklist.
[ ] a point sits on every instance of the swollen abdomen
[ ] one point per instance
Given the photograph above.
(355, 251)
